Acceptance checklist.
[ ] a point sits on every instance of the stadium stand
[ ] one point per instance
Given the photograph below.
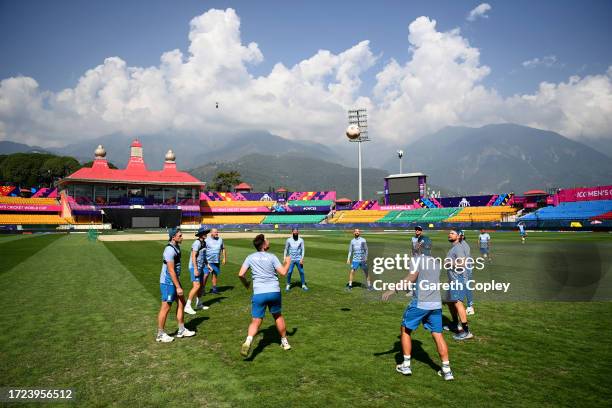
(604, 216)
(293, 219)
(579, 210)
(357, 216)
(411, 215)
(482, 214)
(438, 214)
(318, 203)
(31, 219)
(28, 201)
(241, 204)
(232, 219)
(390, 217)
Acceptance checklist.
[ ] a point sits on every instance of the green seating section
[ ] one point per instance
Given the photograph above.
(420, 215)
(390, 216)
(439, 214)
(411, 215)
(293, 219)
(319, 203)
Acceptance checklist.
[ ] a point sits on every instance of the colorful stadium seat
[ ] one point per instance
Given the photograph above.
(580, 210)
(31, 219)
(293, 219)
(232, 219)
(357, 216)
(482, 214)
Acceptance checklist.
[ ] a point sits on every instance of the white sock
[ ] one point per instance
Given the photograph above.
(446, 366)
(284, 340)
(249, 340)
(407, 360)
(188, 303)
(181, 327)
(160, 332)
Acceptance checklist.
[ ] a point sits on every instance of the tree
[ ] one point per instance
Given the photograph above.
(224, 181)
(58, 167)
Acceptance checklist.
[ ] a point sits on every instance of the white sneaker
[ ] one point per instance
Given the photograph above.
(185, 333)
(403, 369)
(287, 288)
(470, 310)
(285, 344)
(164, 338)
(189, 310)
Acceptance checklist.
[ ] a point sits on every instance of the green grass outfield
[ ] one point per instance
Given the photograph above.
(82, 314)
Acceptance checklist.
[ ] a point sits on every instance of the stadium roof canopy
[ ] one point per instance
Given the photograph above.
(136, 171)
(404, 175)
(534, 192)
(243, 186)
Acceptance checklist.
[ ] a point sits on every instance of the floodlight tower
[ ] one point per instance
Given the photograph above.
(400, 154)
(359, 118)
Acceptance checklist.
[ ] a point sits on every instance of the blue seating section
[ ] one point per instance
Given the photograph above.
(580, 210)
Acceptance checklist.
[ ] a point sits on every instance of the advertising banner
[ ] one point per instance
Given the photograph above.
(585, 194)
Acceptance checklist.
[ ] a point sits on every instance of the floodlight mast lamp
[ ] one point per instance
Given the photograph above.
(359, 117)
(400, 154)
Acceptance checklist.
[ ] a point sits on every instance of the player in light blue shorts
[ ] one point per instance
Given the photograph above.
(266, 290)
(170, 288)
(197, 265)
(358, 258)
(425, 309)
(216, 256)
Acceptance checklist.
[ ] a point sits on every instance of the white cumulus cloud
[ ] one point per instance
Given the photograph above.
(547, 61)
(479, 11)
(441, 84)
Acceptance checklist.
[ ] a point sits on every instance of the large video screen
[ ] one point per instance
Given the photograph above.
(145, 222)
(404, 185)
(403, 198)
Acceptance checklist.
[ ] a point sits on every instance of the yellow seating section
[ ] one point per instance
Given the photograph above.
(218, 204)
(28, 201)
(482, 214)
(15, 219)
(232, 219)
(357, 216)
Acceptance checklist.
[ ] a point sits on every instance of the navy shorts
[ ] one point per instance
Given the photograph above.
(261, 301)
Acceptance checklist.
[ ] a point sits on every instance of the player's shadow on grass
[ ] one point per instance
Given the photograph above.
(194, 323)
(212, 301)
(417, 354)
(222, 289)
(270, 336)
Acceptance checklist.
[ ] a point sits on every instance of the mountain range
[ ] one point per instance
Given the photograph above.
(504, 158)
(460, 160)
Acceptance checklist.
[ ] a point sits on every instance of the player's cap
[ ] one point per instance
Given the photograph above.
(418, 228)
(202, 231)
(460, 232)
(172, 232)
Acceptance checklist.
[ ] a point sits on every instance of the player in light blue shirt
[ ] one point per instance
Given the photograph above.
(484, 243)
(522, 232)
(215, 256)
(170, 288)
(265, 268)
(197, 265)
(469, 269)
(294, 248)
(455, 260)
(358, 258)
(425, 309)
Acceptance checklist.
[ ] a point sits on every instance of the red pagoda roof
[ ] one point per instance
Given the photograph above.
(135, 172)
(242, 186)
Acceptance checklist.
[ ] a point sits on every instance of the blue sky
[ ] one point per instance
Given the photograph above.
(56, 41)
(417, 66)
